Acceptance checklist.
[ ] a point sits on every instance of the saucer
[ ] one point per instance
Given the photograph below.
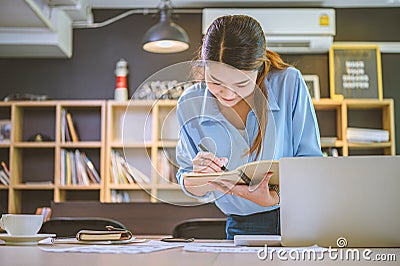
(24, 240)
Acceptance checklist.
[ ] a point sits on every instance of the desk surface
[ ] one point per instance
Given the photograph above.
(34, 256)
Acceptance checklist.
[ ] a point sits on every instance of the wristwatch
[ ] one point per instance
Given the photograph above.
(276, 189)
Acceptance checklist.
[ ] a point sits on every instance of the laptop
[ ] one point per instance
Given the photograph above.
(337, 202)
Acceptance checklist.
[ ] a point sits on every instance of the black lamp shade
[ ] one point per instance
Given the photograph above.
(165, 36)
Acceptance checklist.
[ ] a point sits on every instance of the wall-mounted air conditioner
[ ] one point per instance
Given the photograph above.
(287, 30)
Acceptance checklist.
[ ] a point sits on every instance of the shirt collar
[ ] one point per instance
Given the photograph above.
(209, 108)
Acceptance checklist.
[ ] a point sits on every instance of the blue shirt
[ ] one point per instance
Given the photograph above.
(291, 131)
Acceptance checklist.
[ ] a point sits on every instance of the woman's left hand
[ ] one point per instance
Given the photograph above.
(260, 193)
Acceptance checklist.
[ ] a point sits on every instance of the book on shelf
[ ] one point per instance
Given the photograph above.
(4, 179)
(62, 168)
(94, 175)
(367, 135)
(65, 135)
(73, 168)
(68, 177)
(123, 173)
(124, 168)
(254, 170)
(81, 169)
(72, 127)
(166, 168)
(120, 196)
(77, 169)
(5, 168)
(138, 175)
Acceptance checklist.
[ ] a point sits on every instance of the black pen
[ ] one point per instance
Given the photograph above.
(242, 174)
(203, 148)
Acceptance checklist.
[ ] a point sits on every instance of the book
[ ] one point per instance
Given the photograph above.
(62, 168)
(367, 135)
(254, 170)
(74, 177)
(90, 168)
(4, 178)
(5, 168)
(72, 128)
(139, 176)
(109, 235)
(68, 168)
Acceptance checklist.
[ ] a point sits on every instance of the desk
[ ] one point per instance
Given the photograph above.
(33, 256)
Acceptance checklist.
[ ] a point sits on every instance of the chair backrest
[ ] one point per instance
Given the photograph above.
(201, 228)
(69, 226)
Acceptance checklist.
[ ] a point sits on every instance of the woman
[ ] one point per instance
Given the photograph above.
(252, 106)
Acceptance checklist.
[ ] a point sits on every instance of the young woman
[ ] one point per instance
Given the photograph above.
(251, 106)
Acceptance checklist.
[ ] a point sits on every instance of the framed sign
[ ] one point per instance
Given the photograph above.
(312, 82)
(355, 71)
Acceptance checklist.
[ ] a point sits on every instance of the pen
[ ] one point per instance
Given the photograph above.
(242, 174)
(203, 148)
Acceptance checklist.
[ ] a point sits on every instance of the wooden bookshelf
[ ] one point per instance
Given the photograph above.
(35, 166)
(141, 131)
(139, 138)
(335, 116)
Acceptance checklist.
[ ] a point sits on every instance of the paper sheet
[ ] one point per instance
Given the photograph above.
(221, 249)
(239, 249)
(151, 246)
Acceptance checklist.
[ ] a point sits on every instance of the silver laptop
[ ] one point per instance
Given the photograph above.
(344, 201)
(337, 202)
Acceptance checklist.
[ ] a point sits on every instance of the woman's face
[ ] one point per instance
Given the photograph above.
(228, 84)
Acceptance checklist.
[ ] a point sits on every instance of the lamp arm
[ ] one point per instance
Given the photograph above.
(144, 11)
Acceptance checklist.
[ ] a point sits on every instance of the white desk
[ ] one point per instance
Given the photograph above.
(34, 256)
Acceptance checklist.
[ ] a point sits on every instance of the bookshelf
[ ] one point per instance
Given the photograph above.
(35, 165)
(335, 116)
(145, 133)
(5, 147)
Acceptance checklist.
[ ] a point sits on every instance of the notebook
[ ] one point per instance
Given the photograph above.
(338, 202)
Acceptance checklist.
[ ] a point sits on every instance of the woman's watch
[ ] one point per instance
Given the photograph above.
(276, 189)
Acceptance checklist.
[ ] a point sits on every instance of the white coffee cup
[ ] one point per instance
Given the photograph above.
(21, 224)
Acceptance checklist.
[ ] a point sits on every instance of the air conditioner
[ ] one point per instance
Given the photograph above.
(287, 30)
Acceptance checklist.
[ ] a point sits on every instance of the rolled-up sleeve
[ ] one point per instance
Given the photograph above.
(186, 150)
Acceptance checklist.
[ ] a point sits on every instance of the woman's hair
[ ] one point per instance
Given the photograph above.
(239, 41)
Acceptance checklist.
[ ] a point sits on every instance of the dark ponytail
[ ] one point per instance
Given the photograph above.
(239, 41)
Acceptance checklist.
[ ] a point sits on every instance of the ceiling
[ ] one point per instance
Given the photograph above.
(244, 3)
(26, 23)
(19, 13)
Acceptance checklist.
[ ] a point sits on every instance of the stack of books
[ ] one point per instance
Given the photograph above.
(120, 196)
(77, 169)
(166, 166)
(124, 173)
(367, 135)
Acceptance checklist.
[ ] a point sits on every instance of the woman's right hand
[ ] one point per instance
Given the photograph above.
(204, 162)
(207, 162)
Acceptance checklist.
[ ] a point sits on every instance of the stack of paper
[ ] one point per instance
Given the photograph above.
(367, 135)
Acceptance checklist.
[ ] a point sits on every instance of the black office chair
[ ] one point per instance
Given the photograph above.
(201, 228)
(69, 226)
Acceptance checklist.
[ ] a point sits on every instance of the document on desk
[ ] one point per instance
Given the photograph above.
(243, 249)
(147, 247)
